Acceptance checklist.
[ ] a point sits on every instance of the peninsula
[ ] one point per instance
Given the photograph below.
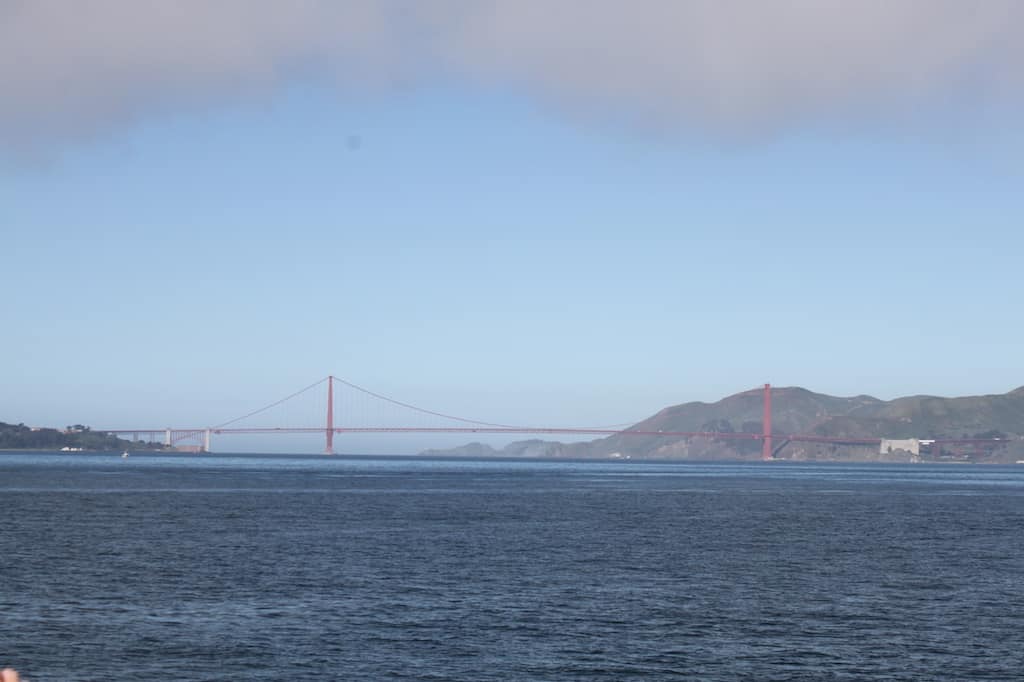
(74, 438)
(911, 428)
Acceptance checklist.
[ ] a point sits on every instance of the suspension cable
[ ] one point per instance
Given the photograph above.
(448, 416)
(267, 407)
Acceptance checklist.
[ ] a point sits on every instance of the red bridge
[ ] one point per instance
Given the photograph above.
(359, 404)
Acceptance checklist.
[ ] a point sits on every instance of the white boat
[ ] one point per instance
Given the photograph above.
(124, 454)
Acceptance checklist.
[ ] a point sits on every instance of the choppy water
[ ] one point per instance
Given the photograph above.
(158, 568)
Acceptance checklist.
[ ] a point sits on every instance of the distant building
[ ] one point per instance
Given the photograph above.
(889, 446)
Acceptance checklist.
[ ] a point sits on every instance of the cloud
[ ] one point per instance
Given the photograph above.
(756, 62)
(70, 68)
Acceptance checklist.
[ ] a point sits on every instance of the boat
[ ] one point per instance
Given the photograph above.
(124, 454)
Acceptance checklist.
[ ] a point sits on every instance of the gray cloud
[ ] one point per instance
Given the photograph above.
(70, 68)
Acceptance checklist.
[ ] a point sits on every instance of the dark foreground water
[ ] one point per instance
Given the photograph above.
(158, 568)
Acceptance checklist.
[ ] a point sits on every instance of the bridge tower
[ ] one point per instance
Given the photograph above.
(330, 416)
(766, 424)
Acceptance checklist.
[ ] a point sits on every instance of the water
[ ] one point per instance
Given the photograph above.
(219, 568)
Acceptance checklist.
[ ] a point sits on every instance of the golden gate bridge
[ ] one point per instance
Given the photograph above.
(352, 402)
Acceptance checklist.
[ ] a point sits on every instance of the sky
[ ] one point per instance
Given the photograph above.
(554, 213)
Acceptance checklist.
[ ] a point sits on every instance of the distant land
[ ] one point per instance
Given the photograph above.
(916, 419)
(77, 437)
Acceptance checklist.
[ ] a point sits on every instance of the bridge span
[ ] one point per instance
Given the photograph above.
(203, 436)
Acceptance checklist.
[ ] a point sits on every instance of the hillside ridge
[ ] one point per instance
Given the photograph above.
(799, 411)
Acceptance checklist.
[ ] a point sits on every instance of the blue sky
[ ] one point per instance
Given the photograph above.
(484, 250)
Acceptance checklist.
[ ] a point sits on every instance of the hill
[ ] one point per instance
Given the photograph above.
(21, 437)
(800, 411)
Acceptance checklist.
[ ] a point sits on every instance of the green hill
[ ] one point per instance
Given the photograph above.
(800, 411)
(21, 437)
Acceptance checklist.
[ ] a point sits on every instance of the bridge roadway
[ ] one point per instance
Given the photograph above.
(771, 442)
(179, 434)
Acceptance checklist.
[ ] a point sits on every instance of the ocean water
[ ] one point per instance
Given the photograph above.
(316, 568)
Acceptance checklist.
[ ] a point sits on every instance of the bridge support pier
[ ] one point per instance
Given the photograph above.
(206, 440)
